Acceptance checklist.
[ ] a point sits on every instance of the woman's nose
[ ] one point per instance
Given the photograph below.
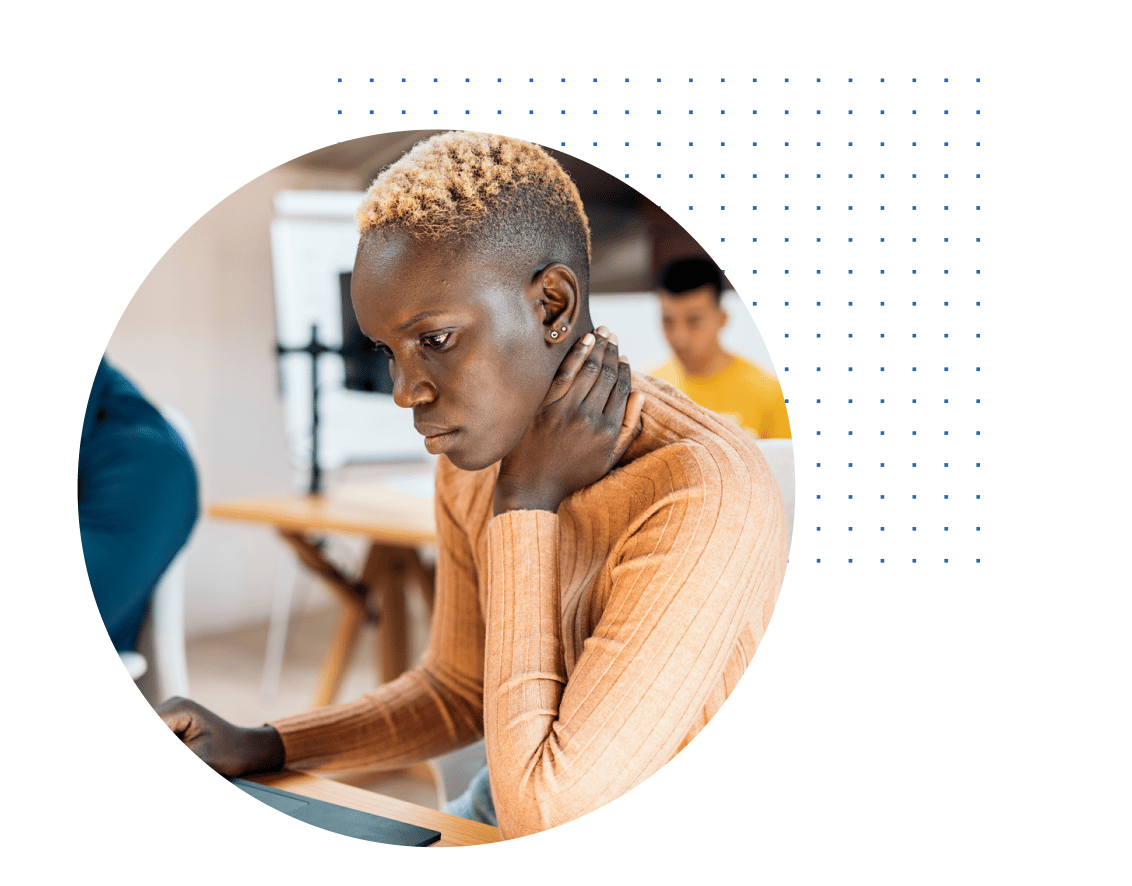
(410, 386)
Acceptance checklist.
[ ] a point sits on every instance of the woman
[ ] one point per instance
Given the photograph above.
(609, 552)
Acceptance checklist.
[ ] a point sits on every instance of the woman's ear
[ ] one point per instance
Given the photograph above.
(554, 294)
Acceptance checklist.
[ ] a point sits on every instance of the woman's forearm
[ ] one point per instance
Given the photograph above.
(413, 718)
(525, 671)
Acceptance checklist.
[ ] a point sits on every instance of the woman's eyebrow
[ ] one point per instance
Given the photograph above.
(417, 318)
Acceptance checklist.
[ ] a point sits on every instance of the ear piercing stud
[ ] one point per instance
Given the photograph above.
(554, 332)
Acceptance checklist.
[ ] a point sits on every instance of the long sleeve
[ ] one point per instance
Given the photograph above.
(429, 710)
(686, 590)
(590, 646)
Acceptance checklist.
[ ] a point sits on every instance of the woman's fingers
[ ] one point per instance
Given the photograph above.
(614, 407)
(605, 375)
(592, 377)
(568, 370)
(631, 422)
(178, 716)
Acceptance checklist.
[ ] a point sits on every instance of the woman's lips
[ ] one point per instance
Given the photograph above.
(437, 439)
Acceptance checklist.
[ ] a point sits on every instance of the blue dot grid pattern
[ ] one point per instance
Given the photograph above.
(846, 210)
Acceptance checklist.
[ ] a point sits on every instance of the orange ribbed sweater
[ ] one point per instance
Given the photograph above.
(587, 646)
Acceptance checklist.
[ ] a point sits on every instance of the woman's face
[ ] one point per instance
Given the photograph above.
(467, 343)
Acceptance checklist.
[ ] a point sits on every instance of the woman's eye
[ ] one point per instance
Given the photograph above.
(380, 347)
(437, 341)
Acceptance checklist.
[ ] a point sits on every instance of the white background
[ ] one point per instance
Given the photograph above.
(902, 722)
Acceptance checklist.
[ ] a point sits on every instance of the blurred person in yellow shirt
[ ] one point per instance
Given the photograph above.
(690, 292)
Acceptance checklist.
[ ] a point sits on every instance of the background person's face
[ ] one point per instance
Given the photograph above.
(468, 352)
(692, 322)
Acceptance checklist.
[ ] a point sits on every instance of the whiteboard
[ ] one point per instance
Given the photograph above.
(313, 240)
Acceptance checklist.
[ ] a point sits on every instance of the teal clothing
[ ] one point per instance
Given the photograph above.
(137, 500)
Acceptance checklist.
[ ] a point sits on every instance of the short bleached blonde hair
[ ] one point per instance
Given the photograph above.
(496, 192)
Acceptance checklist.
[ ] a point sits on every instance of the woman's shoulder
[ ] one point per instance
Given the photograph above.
(691, 472)
(676, 430)
(689, 457)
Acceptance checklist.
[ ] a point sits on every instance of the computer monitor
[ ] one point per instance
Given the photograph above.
(367, 368)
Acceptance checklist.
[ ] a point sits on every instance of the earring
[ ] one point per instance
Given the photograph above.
(563, 328)
(554, 333)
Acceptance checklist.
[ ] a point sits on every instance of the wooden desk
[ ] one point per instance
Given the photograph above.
(395, 521)
(454, 831)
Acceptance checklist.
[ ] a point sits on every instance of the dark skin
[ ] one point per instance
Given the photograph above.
(497, 366)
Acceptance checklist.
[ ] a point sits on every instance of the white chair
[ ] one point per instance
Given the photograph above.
(161, 640)
(779, 455)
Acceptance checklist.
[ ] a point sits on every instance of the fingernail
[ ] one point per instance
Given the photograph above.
(621, 358)
(612, 339)
(588, 339)
(601, 330)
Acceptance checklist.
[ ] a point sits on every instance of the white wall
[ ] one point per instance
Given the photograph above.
(199, 334)
(635, 319)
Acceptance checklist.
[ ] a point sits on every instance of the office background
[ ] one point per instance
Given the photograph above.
(900, 722)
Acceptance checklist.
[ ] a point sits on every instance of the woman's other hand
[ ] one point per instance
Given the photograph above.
(588, 419)
(230, 750)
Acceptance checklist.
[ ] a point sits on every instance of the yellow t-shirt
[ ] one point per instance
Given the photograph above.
(742, 392)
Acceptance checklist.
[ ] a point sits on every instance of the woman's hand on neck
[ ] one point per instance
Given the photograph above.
(587, 420)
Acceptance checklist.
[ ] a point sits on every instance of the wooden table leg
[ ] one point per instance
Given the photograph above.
(394, 625)
(384, 577)
(338, 655)
(352, 595)
(425, 577)
(378, 596)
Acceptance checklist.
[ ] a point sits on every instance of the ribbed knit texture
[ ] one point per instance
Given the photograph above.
(614, 629)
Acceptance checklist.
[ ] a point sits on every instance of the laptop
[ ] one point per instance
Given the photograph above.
(340, 819)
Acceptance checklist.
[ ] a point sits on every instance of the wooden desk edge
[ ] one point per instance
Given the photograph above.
(454, 831)
(272, 514)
